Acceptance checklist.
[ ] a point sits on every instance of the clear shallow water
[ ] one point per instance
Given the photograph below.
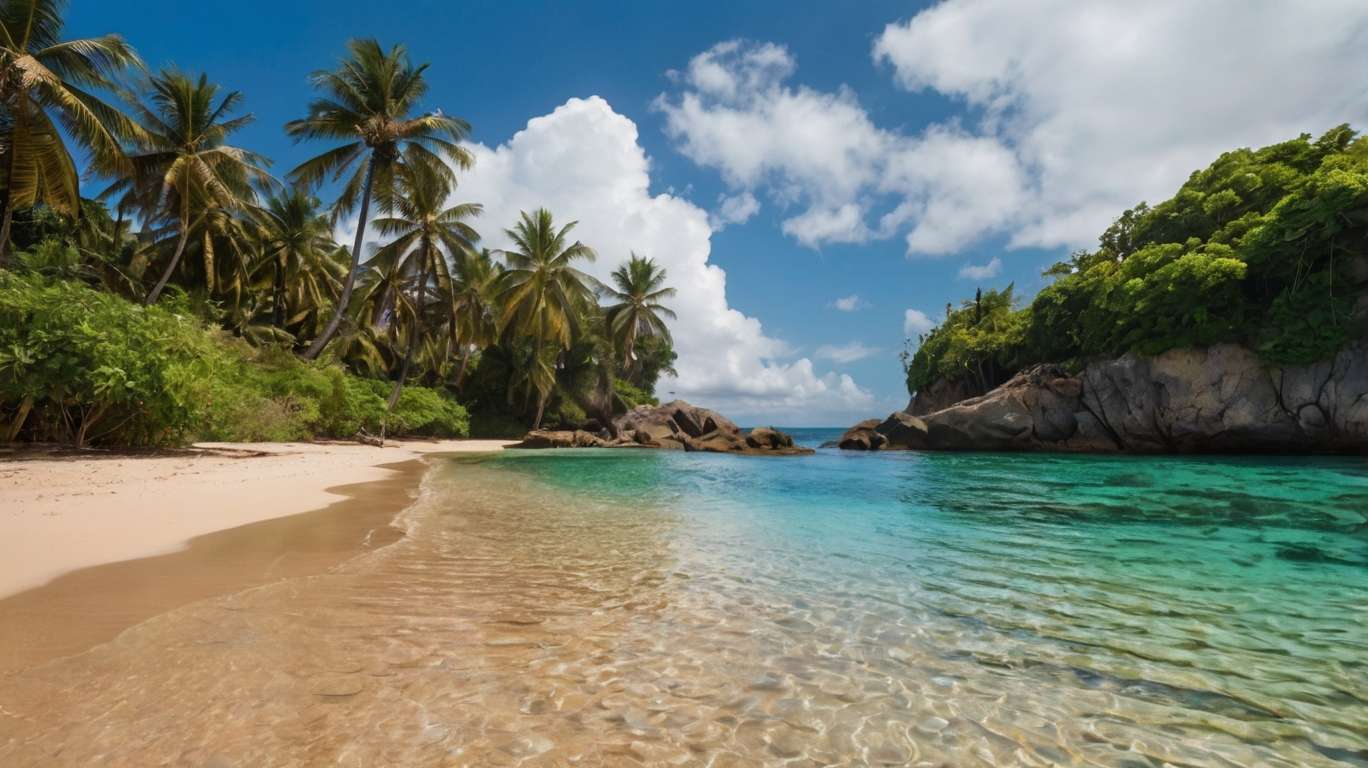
(636, 607)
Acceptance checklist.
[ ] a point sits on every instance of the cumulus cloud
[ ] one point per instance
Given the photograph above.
(916, 322)
(1072, 113)
(850, 303)
(1104, 104)
(846, 353)
(583, 162)
(819, 152)
(733, 209)
(982, 271)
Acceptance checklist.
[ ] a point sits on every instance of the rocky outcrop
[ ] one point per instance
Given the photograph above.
(942, 394)
(1221, 399)
(676, 426)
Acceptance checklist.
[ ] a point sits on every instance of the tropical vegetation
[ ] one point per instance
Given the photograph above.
(198, 296)
(1266, 247)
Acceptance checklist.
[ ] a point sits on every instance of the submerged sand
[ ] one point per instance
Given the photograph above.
(60, 513)
(92, 546)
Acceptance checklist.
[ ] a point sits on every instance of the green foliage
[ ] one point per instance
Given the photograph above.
(632, 396)
(94, 368)
(981, 341)
(1265, 247)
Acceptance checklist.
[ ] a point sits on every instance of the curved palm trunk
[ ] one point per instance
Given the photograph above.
(414, 335)
(541, 408)
(460, 372)
(155, 293)
(20, 121)
(316, 348)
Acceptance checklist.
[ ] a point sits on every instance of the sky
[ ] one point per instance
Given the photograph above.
(819, 179)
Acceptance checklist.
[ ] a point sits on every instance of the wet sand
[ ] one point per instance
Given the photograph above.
(67, 511)
(260, 506)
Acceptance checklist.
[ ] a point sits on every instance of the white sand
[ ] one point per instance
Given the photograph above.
(61, 514)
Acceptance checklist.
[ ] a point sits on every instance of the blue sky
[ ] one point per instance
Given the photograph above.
(971, 132)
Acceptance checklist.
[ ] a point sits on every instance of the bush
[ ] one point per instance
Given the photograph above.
(82, 366)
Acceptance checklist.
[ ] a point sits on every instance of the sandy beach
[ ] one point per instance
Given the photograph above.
(65, 512)
(95, 544)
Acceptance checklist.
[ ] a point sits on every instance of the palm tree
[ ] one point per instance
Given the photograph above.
(183, 171)
(296, 244)
(43, 84)
(368, 102)
(422, 225)
(638, 311)
(542, 291)
(474, 304)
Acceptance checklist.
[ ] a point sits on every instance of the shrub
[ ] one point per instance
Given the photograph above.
(82, 366)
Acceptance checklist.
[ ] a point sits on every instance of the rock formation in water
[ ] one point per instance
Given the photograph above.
(1221, 399)
(676, 425)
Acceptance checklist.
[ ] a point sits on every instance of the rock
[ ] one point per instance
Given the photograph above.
(675, 426)
(902, 431)
(1220, 399)
(940, 395)
(578, 438)
(862, 437)
(767, 439)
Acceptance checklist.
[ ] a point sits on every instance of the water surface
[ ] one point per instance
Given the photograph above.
(638, 607)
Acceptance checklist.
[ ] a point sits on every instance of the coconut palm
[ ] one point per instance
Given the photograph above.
(45, 85)
(297, 247)
(542, 291)
(474, 304)
(368, 103)
(638, 311)
(423, 227)
(183, 171)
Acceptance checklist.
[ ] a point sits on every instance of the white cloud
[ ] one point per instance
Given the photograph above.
(915, 323)
(734, 209)
(821, 152)
(828, 225)
(982, 271)
(1073, 113)
(846, 353)
(850, 303)
(1104, 104)
(583, 162)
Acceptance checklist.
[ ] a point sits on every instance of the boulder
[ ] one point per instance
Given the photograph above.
(942, 394)
(1219, 399)
(862, 437)
(675, 426)
(902, 431)
(541, 438)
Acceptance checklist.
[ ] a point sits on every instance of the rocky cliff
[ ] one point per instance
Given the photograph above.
(1221, 399)
(675, 425)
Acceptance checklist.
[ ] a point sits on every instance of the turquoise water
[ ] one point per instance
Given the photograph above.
(1008, 609)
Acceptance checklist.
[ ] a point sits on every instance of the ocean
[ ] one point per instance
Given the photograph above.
(637, 607)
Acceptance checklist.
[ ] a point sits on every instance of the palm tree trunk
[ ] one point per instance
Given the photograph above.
(541, 408)
(5, 229)
(460, 372)
(171, 267)
(278, 300)
(20, 125)
(316, 348)
(415, 333)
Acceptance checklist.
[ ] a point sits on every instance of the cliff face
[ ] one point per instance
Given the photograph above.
(1216, 400)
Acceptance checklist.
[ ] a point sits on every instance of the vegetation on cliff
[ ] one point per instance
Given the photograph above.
(1264, 248)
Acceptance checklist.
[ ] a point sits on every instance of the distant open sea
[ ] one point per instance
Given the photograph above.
(637, 607)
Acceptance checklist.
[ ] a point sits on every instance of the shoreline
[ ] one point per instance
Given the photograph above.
(90, 538)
